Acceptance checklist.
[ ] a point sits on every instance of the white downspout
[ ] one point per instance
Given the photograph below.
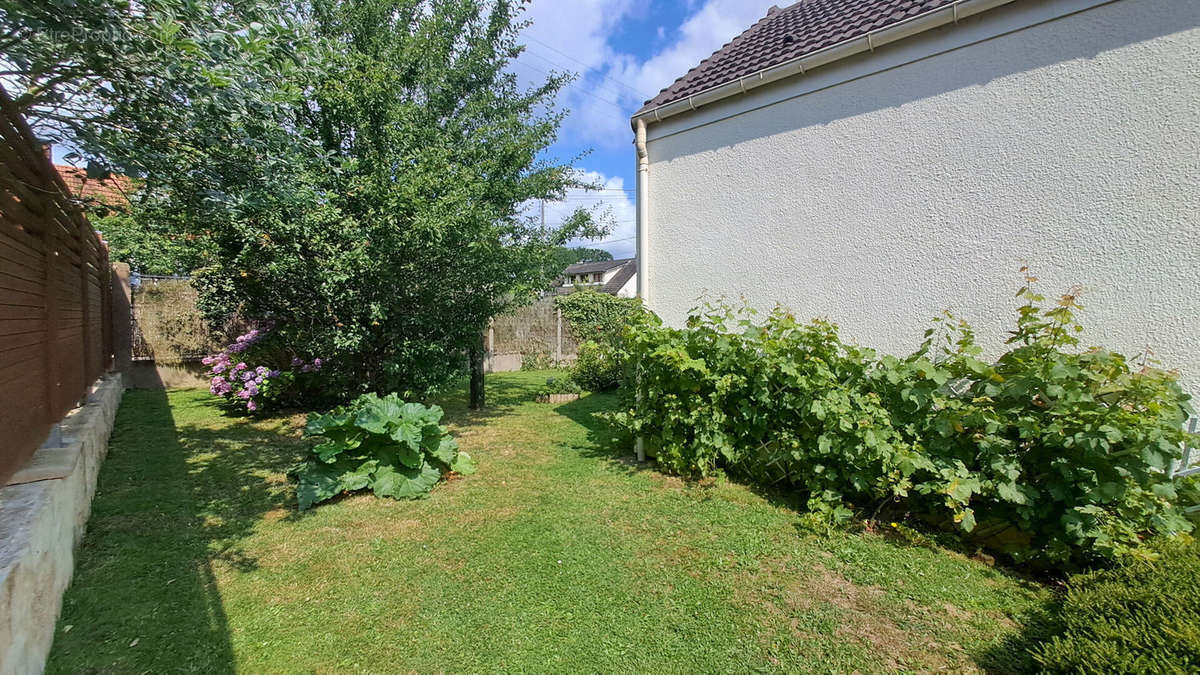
(643, 220)
(643, 213)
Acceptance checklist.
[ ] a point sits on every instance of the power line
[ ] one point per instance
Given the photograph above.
(606, 241)
(635, 92)
(585, 92)
(617, 92)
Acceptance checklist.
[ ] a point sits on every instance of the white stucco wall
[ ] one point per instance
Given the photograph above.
(878, 199)
(629, 290)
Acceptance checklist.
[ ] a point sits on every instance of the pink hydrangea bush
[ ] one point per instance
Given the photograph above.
(231, 378)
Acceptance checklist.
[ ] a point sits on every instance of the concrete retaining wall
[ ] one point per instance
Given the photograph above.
(43, 514)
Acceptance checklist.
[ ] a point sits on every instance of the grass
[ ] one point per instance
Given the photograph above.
(561, 554)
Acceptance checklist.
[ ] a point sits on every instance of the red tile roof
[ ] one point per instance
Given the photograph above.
(112, 191)
(784, 34)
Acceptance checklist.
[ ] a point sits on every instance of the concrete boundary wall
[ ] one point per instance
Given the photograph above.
(43, 514)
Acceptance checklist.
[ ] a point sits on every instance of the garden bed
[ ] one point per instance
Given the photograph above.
(560, 553)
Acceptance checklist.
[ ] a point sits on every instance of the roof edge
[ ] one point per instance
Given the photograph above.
(914, 25)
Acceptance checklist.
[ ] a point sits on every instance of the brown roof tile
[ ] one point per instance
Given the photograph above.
(111, 191)
(623, 275)
(784, 34)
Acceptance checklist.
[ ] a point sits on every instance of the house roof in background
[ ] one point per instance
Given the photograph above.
(785, 34)
(597, 266)
(622, 276)
(112, 191)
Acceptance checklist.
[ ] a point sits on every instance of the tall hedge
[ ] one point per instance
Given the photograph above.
(1051, 453)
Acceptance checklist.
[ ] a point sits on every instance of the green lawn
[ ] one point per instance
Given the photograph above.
(560, 554)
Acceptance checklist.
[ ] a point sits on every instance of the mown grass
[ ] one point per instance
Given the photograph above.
(560, 554)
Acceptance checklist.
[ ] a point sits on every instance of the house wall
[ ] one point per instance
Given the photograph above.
(877, 192)
(629, 290)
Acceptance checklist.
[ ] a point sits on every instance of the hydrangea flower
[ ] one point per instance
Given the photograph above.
(238, 380)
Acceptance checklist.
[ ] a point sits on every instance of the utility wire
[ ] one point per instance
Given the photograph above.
(635, 92)
(585, 92)
(611, 90)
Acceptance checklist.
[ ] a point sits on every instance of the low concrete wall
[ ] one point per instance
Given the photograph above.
(43, 514)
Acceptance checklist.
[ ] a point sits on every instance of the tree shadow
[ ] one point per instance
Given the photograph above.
(1012, 654)
(605, 441)
(502, 395)
(612, 445)
(174, 502)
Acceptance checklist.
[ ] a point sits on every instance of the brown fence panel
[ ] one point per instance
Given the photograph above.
(55, 297)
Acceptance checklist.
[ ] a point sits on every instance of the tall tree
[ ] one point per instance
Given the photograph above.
(569, 256)
(356, 171)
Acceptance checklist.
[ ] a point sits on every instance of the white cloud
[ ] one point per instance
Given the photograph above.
(575, 36)
(613, 203)
(714, 24)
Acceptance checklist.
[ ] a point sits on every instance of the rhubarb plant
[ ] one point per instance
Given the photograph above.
(397, 449)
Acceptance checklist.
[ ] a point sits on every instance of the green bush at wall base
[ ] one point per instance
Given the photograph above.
(600, 320)
(1141, 617)
(1064, 452)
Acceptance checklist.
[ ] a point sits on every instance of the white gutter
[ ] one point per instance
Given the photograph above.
(643, 239)
(920, 23)
(643, 213)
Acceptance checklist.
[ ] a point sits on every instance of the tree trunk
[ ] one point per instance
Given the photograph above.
(477, 398)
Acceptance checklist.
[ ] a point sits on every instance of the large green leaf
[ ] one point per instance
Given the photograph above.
(408, 434)
(320, 481)
(377, 415)
(463, 465)
(446, 451)
(398, 454)
(405, 482)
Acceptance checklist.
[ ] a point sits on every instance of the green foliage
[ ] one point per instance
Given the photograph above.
(405, 232)
(564, 256)
(600, 320)
(559, 385)
(147, 248)
(597, 316)
(538, 361)
(118, 81)
(1140, 617)
(1050, 454)
(598, 366)
(397, 449)
(355, 172)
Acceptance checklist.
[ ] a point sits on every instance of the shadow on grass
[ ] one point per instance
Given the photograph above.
(502, 397)
(173, 504)
(1012, 654)
(610, 444)
(605, 441)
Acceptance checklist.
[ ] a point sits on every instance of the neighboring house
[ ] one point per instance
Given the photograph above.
(615, 277)
(111, 191)
(878, 161)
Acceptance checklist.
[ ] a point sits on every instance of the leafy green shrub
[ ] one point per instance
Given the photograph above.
(1140, 617)
(397, 449)
(597, 367)
(597, 316)
(538, 361)
(600, 321)
(1050, 454)
(559, 385)
(781, 401)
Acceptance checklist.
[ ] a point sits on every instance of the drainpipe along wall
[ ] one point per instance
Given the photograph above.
(643, 220)
(643, 212)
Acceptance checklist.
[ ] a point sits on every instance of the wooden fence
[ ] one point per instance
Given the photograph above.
(55, 299)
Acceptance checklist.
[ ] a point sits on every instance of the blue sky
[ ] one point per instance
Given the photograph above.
(622, 52)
